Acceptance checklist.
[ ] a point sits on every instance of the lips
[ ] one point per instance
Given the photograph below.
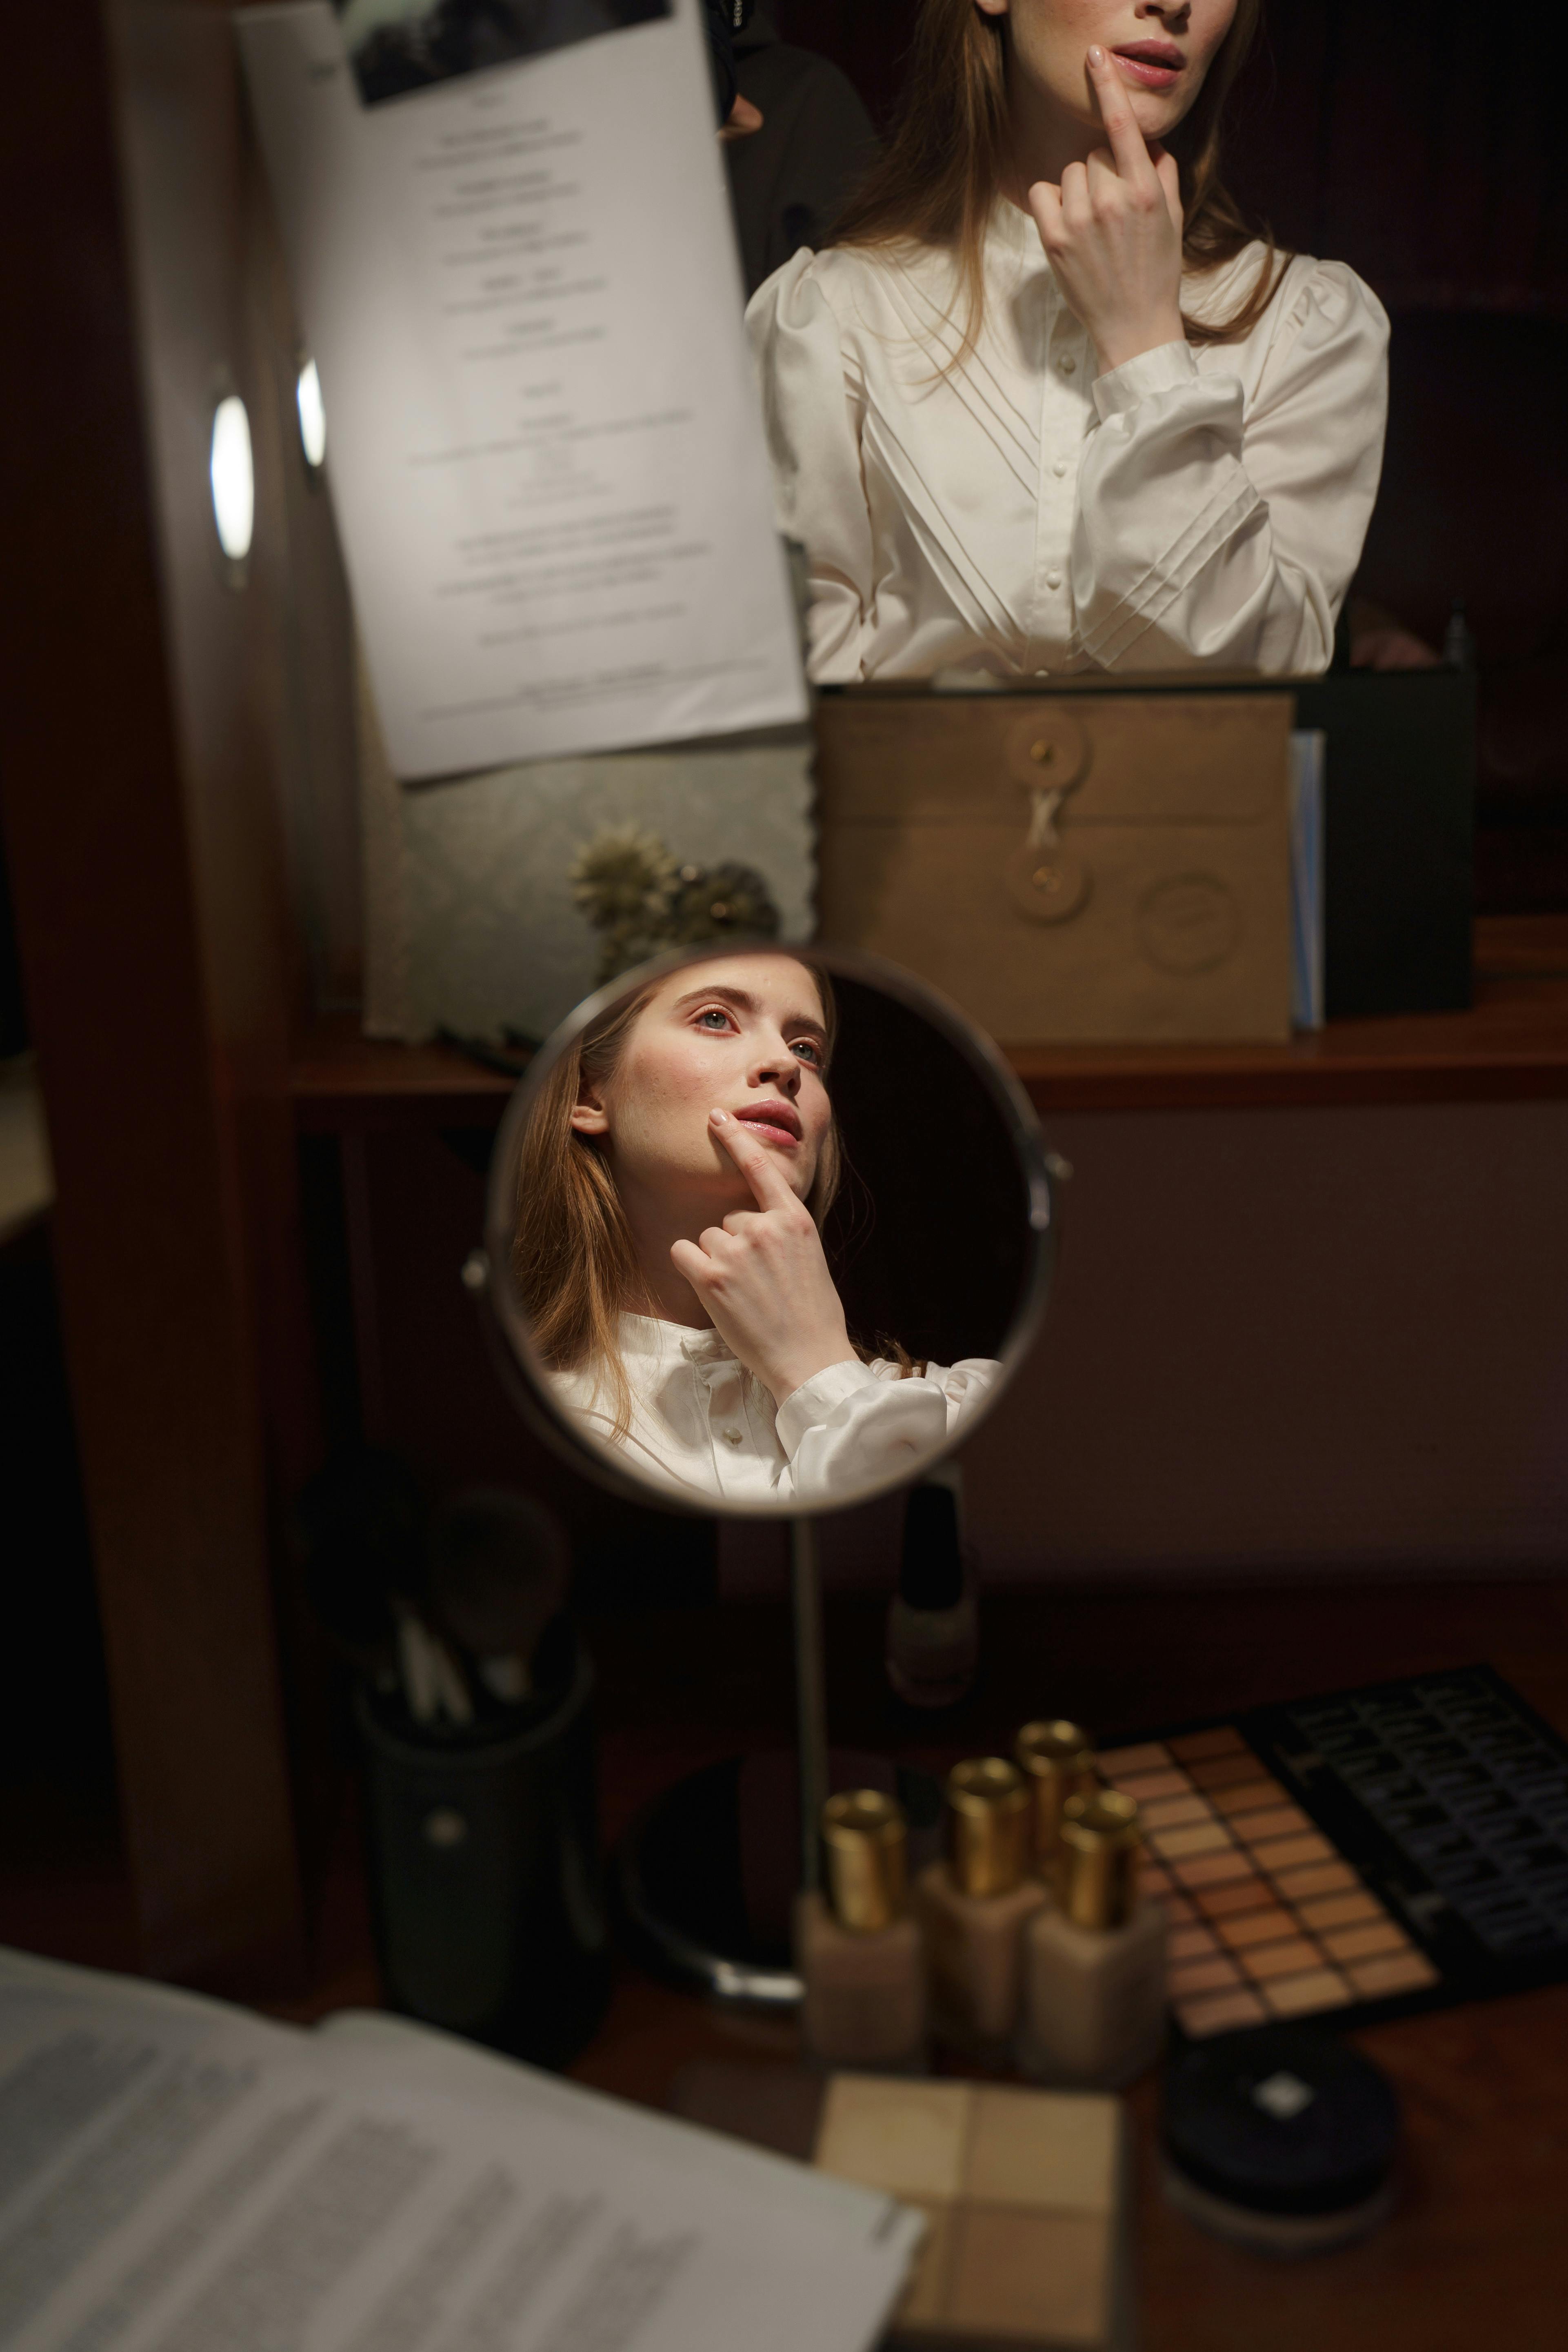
(775, 1122)
(1152, 65)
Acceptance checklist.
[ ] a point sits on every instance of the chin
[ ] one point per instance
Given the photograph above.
(1155, 118)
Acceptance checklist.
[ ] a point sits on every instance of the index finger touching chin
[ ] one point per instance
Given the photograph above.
(1116, 112)
(754, 1161)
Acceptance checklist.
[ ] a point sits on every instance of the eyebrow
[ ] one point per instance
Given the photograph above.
(745, 1001)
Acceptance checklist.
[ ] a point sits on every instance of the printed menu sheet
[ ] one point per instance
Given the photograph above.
(511, 252)
(178, 2177)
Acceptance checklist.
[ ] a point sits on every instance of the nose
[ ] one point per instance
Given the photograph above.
(1174, 19)
(776, 1066)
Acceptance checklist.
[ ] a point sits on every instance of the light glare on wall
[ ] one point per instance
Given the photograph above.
(312, 416)
(233, 477)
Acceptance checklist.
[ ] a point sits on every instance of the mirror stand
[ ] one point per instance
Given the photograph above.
(810, 1692)
(695, 1871)
(706, 1878)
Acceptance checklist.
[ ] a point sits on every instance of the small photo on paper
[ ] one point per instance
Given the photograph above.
(396, 46)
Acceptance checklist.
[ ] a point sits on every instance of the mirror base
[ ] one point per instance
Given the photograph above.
(705, 1881)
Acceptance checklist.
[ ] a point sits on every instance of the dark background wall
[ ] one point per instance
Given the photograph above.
(1412, 140)
(1419, 144)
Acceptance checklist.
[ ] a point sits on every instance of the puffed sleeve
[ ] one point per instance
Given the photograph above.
(812, 402)
(856, 1425)
(1222, 524)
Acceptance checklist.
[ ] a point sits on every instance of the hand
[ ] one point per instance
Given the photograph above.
(1112, 231)
(1392, 648)
(1380, 640)
(762, 1274)
(743, 119)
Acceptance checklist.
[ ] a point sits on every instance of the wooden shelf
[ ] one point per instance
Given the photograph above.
(1512, 1046)
(343, 1081)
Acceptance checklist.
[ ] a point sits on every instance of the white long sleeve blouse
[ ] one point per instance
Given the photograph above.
(1021, 514)
(702, 1426)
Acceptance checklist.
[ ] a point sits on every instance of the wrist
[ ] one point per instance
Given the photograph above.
(783, 1378)
(1130, 342)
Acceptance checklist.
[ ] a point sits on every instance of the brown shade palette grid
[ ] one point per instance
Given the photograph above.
(1268, 1921)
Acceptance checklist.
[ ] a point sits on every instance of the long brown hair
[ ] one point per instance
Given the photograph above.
(573, 1257)
(939, 175)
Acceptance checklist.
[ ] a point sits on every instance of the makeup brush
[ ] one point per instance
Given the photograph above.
(360, 1526)
(500, 1568)
(432, 1681)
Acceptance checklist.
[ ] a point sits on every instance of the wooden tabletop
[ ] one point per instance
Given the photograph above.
(1475, 2253)
(1473, 2256)
(1511, 1045)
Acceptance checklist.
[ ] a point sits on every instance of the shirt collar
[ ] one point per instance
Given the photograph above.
(646, 1335)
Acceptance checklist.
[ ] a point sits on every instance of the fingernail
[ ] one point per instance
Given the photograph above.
(718, 1116)
(1097, 57)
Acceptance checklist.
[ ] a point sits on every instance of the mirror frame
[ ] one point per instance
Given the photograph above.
(488, 1275)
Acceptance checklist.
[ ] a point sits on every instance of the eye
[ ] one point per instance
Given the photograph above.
(714, 1017)
(809, 1051)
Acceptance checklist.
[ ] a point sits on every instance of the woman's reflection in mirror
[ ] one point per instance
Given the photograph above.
(1045, 403)
(672, 1185)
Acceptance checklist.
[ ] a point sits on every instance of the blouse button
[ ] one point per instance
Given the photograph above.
(1059, 468)
(731, 1436)
(1053, 579)
(1068, 365)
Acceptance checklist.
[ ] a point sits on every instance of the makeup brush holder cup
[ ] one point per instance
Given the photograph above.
(485, 1876)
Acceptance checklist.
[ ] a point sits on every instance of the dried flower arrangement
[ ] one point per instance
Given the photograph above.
(640, 901)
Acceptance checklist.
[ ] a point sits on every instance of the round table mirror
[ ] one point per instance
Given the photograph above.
(768, 1233)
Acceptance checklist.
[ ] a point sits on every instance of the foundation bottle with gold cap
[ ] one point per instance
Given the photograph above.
(1094, 1962)
(973, 1908)
(857, 1947)
(1057, 1760)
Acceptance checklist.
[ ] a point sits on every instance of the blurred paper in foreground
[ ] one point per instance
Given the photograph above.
(176, 2175)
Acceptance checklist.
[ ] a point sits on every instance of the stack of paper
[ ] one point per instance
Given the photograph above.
(176, 2175)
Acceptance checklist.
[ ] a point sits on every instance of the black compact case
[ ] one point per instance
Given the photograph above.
(1284, 2140)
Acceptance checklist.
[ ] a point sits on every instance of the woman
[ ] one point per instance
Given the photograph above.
(671, 1189)
(1044, 406)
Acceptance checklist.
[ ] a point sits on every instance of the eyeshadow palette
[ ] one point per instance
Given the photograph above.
(1392, 1848)
(1024, 2197)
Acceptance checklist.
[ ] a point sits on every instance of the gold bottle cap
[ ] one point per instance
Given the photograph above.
(1100, 1843)
(1057, 1759)
(987, 1825)
(865, 1839)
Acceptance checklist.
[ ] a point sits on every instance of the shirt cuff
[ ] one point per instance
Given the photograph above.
(822, 1395)
(1161, 369)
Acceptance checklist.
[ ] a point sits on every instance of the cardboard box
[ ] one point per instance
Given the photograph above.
(1074, 867)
